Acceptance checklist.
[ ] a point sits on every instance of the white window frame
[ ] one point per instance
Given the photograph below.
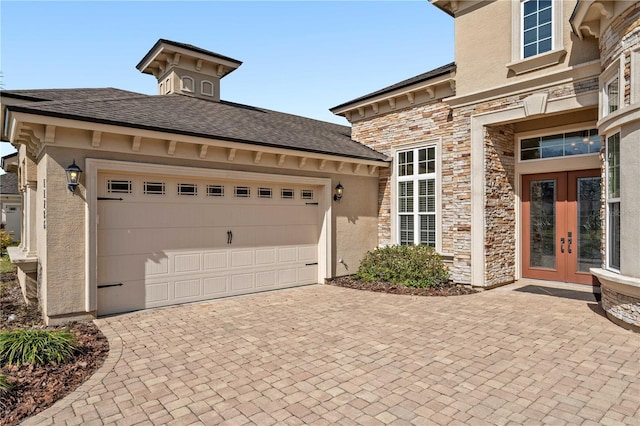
(395, 214)
(613, 71)
(635, 76)
(609, 201)
(521, 65)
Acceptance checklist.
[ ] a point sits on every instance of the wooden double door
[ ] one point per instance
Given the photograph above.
(561, 226)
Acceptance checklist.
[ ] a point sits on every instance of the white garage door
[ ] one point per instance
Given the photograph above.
(165, 241)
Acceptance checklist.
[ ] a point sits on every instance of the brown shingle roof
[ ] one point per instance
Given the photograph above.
(9, 184)
(445, 69)
(39, 95)
(215, 120)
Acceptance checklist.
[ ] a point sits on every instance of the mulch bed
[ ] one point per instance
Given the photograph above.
(33, 389)
(450, 289)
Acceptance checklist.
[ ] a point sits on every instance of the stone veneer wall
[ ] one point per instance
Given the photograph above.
(425, 123)
(499, 204)
(617, 41)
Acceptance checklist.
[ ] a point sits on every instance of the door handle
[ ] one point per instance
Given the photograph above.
(570, 241)
(230, 237)
(562, 245)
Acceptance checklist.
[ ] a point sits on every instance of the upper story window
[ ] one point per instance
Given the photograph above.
(613, 202)
(537, 27)
(612, 95)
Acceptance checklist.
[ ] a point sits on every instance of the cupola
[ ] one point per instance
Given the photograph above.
(187, 70)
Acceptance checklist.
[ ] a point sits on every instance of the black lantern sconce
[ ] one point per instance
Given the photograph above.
(338, 193)
(73, 176)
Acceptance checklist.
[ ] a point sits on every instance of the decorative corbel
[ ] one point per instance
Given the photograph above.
(49, 134)
(392, 103)
(135, 144)
(171, 148)
(374, 107)
(257, 156)
(203, 151)
(348, 115)
(322, 165)
(372, 170)
(411, 97)
(357, 167)
(198, 64)
(361, 111)
(340, 166)
(96, 139)
(431, 92)
(302, 162)
(176, 59)
(220, 72)
(281, 159)
(232, 154)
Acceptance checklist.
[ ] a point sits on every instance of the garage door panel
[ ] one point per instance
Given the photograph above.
(187, 289)
(172, 249)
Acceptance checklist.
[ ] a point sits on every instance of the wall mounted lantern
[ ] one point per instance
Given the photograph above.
(338, 193)
(73, 176)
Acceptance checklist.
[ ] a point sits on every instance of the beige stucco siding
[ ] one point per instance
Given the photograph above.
(484, 47)
(62, 253)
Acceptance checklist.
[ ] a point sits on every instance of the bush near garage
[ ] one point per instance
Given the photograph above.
(412, 266)
(37, 347)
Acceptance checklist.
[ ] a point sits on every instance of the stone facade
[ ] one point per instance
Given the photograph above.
(621, 306)
(439, 120)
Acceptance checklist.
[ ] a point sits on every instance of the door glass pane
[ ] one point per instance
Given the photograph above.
(589, 226)
(543, 224)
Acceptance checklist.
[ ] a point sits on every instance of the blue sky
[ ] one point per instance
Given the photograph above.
(299, 57)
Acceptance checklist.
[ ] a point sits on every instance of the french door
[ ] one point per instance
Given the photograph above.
(561, 229)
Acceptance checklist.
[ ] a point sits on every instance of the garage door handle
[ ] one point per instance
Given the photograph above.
(229, 237)
(110, 285)
(310, 264)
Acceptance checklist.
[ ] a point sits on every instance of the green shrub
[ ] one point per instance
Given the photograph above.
(5, 241)
(36, 347)
(4, 384)
(413, 266)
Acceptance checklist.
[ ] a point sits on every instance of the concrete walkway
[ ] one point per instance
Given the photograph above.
(326, 355)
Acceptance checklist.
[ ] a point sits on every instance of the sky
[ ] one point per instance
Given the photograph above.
(299, 57)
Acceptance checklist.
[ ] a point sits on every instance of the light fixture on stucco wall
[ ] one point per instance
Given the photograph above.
(73, 176)
(338, 193)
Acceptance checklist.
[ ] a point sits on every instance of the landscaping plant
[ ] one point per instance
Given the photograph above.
(412, 266)
(37, 347)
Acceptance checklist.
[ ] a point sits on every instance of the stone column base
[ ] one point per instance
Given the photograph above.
(620, 298)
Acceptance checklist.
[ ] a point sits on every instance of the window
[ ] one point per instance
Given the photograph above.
(560, 145)
(612, 95)
(119, 186)
(186, 84)
(306, 194)
(187, 189)
(613, 201)
(537, 27)
(265, 192)
(154, 188)
(215, 190)
(206, 88)
(242, 191)
(287, 193)
(417, 196)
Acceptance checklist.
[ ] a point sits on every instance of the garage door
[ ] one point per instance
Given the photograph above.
(164, 241)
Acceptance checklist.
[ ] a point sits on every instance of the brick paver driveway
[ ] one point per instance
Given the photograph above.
(327, 355)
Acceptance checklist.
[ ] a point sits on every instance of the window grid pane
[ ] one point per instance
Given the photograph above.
(560, 145)
(537, 18)
(613, 95)
(406, 230)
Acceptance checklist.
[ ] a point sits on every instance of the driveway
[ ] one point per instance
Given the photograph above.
(327, 355)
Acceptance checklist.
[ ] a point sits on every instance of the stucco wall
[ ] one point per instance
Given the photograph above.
(484, 46)
(61, 249)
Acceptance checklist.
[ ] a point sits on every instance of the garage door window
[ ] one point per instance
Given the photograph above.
(119, 186)
(187, 189)
(287, 194)
(242, 191)
(306, 194)
(215, 190)
(154, 188)
(265, 192)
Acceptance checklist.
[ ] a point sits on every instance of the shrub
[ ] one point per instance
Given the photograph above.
(5, 241)
(4, 384)
(413, 266)
(36, 347)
